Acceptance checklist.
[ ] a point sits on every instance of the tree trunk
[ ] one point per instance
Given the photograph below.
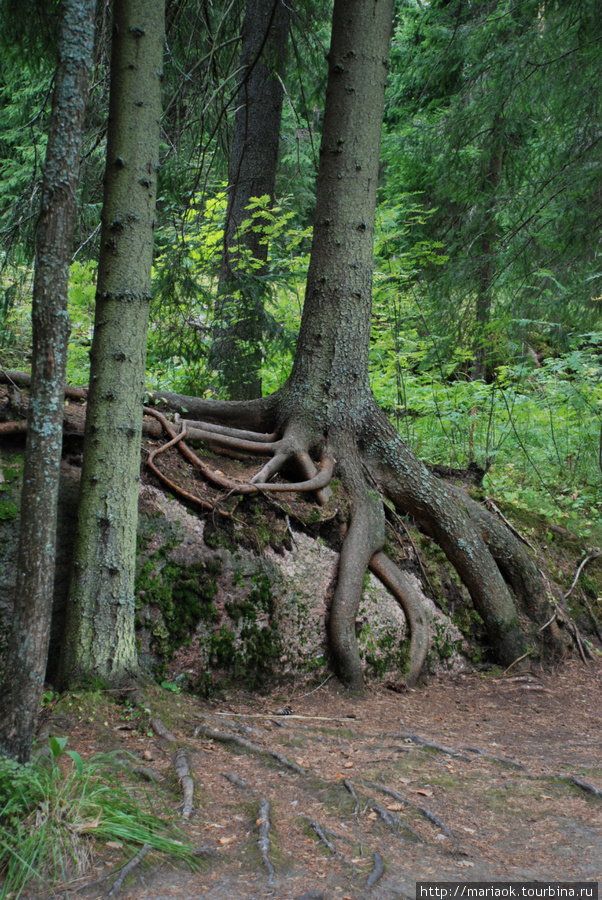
(238, 332)
(99, 642)
(487, 250)
(25, 663)
(326, 411)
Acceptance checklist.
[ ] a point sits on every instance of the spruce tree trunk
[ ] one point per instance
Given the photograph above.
(99, 641)
(25, 663)
(325, 417)
(238, 332)
(487, 247)
(331, 363)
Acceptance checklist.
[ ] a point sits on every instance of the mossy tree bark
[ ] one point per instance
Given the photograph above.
(238, 332)
(99, 641)
(25, 663)
(326, 411)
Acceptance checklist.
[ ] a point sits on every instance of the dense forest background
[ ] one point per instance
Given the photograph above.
(409, 330)
(486, 331)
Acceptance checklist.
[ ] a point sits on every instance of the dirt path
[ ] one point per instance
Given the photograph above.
(483, 816)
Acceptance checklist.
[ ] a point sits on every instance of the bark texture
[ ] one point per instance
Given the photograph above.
(237, 349)
(25, 664)
(99, 640)
(487, 245)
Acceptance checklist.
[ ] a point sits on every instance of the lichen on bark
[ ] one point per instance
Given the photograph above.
(100, 641)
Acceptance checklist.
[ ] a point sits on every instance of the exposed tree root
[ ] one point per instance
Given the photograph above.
(235, 779)
(584, 786)
(191, 498)
(23, 379)
(392, 821)
(501, 759)
(319, 832)
(128, 869)
(431, 816)
(579, 571)
(160, 729)
(492, 506)
(429, 745)
(182, 769)
(361, 545)
(405, 590)
(263, 842)
(150, 775)
(378, 870)
(311, 895)
(503, 581)
(351, 790)
(227, 738)
(489, 558)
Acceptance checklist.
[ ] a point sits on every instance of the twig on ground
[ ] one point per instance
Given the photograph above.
(263, 842)
(315, 690)
(182, 768)
(128, 868)
(524, 656)
(582, 566)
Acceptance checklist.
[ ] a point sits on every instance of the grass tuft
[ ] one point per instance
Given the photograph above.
(56, 810)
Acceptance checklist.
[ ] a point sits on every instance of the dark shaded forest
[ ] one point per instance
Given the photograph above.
(342, 267)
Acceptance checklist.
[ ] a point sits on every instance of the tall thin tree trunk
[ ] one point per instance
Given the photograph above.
(25, 663)
(488, 241)
(100, 642)
(237, 351)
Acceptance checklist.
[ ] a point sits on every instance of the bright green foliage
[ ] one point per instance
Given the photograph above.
(536, 426)
(53, 812)
(185, 294)
(82, 294)
(493, 117)
(24, 112)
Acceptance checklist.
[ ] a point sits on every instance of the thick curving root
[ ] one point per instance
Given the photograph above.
(405, 591)
(491, 561)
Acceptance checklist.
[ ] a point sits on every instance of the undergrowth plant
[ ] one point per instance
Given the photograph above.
(54, 813)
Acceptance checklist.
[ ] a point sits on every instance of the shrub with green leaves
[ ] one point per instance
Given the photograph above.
(53, 813)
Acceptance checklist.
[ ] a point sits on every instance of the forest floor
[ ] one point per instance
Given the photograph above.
(488, 797)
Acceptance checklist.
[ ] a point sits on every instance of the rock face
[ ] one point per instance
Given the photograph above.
(255, 616)
(210, 610)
